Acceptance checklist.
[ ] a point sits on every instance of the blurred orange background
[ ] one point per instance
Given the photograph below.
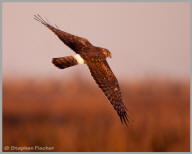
(45, 106)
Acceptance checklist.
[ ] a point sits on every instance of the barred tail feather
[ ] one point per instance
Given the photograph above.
(64, 62)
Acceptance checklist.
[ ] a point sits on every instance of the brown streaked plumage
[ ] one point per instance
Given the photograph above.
(95, 58)
(64, 62)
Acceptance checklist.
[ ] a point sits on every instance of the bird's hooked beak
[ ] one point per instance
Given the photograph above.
(107, 53)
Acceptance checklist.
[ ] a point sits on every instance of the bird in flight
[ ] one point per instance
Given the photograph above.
(95, 58)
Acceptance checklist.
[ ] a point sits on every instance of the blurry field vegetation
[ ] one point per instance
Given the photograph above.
(75, 116)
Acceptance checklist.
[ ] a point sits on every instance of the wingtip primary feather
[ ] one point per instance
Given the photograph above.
(45, 21)
(124, 118)
(42, 20)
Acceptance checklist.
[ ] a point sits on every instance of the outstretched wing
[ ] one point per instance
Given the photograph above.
(107, 81)
(76, 43)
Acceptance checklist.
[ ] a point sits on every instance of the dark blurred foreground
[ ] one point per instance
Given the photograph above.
(75, 116)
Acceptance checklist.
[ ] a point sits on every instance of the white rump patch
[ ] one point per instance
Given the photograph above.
(79, 59)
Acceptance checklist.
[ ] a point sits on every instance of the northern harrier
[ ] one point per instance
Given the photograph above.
(95, 58)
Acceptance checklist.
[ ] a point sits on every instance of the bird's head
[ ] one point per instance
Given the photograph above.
(106, 52)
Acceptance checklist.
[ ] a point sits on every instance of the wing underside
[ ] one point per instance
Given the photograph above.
(107, 81)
